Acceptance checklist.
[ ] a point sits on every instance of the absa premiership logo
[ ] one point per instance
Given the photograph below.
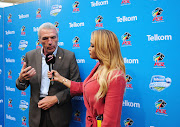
(9, 18)
(125, 2)
(159, 105)
(23, 105)
(38, 13)
(75, 42)
(55, 9)
(77, 115)
(128, 122)
(157, 58)
(159, 83)
(128, 82)
(126, 37)
(9, 74)
(9, 46)
(75, 7)
(98, 21)
(24, 121)
(156, 14)
(23, 33)
(23, 44)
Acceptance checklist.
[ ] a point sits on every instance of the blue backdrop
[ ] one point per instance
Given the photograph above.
(148, 36)
(1, 71)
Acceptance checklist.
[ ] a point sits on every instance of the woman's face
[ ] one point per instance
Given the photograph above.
(91, 49)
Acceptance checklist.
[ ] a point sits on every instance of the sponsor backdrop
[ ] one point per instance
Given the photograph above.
(148, 35)
(1, 71)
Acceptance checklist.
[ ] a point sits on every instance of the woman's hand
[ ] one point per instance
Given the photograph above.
(57, 76)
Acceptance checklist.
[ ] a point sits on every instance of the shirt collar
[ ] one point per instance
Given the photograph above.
(54, 53)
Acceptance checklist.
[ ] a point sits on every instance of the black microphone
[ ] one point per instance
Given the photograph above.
(50, 60)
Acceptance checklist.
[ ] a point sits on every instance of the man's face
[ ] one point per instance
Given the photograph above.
(48, 39)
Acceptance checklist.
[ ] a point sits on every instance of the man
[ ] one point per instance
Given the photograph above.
(50, 105)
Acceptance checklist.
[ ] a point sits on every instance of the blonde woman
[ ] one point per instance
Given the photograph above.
(103, 89)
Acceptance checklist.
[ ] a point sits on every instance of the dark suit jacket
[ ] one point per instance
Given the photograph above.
(67, 66)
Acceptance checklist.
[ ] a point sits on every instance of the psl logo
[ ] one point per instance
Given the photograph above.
(75, 6)
(9, 46)
(9, 74)
(38, 13)
(125, 2)
(128, 122)
(56, 24)
(23, 93)
(22, 60)
(75, 42)
(23, 33)
(9, 18)
(77, 115)
(159, 105)
(157, 58)
(156, 14)
(128, 80)
(24, 121)
(126, 37)
(10, 103)
(38, 44)
(98, 21)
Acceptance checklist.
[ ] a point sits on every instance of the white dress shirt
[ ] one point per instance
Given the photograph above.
(45, 81)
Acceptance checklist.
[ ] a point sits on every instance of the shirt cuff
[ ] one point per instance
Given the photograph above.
(23, 84)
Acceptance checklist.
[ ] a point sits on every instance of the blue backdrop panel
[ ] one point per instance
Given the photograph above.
(148, 36)
(1, 71)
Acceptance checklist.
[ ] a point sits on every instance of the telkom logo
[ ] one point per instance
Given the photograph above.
(157, 37)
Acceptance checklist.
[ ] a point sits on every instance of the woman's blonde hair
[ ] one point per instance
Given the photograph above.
(108, 52)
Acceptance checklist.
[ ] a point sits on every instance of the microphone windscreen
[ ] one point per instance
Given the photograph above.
(50, 59)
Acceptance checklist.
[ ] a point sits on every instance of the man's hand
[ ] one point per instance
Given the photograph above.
(47, 102)
(26, 72)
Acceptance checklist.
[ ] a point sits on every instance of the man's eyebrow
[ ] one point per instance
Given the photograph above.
(50, 37)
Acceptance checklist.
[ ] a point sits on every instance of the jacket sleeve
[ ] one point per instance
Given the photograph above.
(22, 85)
(113, 103)
(74, 75)
(74, 70)
(76, 88)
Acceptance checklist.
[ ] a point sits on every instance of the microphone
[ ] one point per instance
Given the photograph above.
(50, 60)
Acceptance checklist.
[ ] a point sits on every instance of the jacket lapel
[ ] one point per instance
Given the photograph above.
(91, 74)
(59, 58)
(39, 65)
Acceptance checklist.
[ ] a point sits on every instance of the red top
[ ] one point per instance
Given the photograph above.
(110, 106)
